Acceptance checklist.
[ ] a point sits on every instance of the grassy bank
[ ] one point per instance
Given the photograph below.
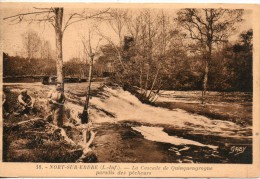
(235, 107)
(32, 139)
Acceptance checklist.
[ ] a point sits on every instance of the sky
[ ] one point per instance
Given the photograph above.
(11, 35)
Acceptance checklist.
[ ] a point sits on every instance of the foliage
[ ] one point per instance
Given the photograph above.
(20, 66)
(206, 28)
(151, 53)
(231, 66)
(75, 67)
(179, 69)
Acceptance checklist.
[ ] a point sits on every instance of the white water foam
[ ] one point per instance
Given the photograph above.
(126, 106)
(158, 135)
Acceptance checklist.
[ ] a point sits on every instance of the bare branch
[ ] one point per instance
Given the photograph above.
(82, 18)
(20, 16)
(114, 45)
(99, 40)
(66, 24)
(43, 8)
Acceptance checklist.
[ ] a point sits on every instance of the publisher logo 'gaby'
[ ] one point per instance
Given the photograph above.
(236, 150)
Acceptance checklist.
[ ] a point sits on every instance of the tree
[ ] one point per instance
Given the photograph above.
(146, 47)
(75, 67)
(31, 42)
(221, 75)
(242, 62)
(207, 27)
(36, 48)
(156, 48)
(54, 16)
(88, 49)
(46, 51)
(19, 66)
(104, 64)
(116, 22)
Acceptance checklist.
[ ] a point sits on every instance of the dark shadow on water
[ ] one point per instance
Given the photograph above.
(120, 143)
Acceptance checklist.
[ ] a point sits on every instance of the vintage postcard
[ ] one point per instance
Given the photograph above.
(129, 90)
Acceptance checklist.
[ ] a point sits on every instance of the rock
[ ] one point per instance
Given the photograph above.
(89, 157)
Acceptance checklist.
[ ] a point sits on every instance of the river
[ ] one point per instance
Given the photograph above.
(129, 131)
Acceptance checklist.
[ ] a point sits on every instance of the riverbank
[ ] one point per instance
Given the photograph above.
(230, 106)
(126, 131)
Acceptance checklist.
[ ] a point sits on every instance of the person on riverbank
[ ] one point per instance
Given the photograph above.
(25, 103)
(55, 106)
(4, 103)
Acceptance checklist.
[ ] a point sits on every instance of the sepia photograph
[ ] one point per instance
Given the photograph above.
(117, 84)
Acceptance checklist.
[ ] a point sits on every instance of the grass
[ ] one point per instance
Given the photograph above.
(36, 141)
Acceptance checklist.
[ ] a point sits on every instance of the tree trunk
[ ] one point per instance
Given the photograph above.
(146, 83)
(140, 79)
(154, 81)
(59, 35)
(84, 117)
(205, 82)
(89, 79)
